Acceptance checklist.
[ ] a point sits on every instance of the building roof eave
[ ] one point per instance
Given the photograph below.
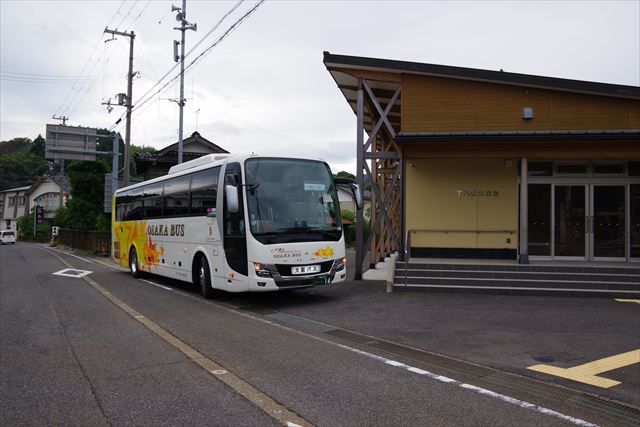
(490, 76)
(626, 134)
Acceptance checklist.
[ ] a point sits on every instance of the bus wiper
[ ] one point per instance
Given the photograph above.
(252, 188)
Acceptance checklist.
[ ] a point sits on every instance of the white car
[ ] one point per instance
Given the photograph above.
(7, 236)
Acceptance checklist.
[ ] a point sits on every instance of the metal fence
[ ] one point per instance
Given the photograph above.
(91, 241)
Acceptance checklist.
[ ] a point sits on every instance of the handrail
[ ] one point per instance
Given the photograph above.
(391, 272)
(460, 230)
(407, 245)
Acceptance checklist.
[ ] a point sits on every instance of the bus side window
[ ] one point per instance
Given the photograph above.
(134, 210)
(176, 196)
(153, 201)
(120, 207)
(204, 191)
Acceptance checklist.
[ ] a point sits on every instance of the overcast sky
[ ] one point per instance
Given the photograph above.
(265, 88)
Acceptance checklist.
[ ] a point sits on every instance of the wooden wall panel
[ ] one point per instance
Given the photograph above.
(434, 104)
(634, 115)
(575, 111)
(430, 103)
(500, 108)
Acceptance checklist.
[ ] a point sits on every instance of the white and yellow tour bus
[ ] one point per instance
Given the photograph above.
(236, 223)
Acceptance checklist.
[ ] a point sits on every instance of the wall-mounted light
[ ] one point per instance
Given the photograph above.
(527, 113)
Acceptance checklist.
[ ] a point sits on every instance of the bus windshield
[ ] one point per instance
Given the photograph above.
(291, 201)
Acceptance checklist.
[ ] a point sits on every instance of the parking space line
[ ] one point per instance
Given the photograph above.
(588, 372)
(637, 301)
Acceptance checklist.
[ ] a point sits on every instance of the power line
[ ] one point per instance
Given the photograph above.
(54, 76)
(138, 16)
(93, 81)
(88, 59)
(44, 80)
(124, 18)
(144, 99)
(188, 53)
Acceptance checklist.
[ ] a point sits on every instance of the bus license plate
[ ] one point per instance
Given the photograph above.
(305, 269)
(322, 280)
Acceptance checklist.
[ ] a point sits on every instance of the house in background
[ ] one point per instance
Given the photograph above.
(153, 165)
(347, 201)
(50, 192)
(13, 205)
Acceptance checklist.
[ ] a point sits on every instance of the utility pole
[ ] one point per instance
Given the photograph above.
(127, 101)
(63, 118)
(184, 26)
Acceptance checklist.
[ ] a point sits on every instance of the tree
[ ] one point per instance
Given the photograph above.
(104, 142)
(14, 145)
(20, 168)
(135, 150)
(38, 146)
(87, 195)
(344, 174)
(25, 228)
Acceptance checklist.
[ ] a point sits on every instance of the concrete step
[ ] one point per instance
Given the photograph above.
(375, 274)
(595, 280)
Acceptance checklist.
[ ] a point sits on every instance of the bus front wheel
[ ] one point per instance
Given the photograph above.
(203, 276)
(134, 267)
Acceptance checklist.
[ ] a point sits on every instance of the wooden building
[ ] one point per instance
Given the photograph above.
(153, 165)
(469, 163)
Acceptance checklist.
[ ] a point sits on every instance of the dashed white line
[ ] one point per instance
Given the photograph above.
(527, 405)
(67, 253)
(157, 284)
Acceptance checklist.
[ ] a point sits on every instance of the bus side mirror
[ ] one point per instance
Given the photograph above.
(231, 193)
(357, 195)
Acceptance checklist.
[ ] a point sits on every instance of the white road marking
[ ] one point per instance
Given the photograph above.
(527, 405)
(157, 284)
(67, 253)
(72, 272)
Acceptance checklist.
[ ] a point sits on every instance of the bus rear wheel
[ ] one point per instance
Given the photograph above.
(134, 267)
(203, 277)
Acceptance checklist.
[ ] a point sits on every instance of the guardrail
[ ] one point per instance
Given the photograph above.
(91, 241)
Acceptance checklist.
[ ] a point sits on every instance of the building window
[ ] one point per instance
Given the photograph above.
(12, 201)
(612, 169)
(49, 201)
(540, 168)
(572, 169)
(21, 201)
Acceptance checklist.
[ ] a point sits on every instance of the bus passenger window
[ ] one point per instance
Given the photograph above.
(176, 196)
(204, 189)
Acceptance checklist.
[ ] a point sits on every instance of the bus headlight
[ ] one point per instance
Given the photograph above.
(260, 270)
(339, 264)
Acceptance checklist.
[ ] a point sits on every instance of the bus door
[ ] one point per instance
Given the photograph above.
(234, 227)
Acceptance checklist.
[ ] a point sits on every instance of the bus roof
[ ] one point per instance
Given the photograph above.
(205, 162)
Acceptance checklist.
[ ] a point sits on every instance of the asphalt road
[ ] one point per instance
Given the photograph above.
(110, 349)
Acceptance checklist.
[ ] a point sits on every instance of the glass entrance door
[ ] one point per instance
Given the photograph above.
(584, 221)
(607, 228)
(570, 215)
